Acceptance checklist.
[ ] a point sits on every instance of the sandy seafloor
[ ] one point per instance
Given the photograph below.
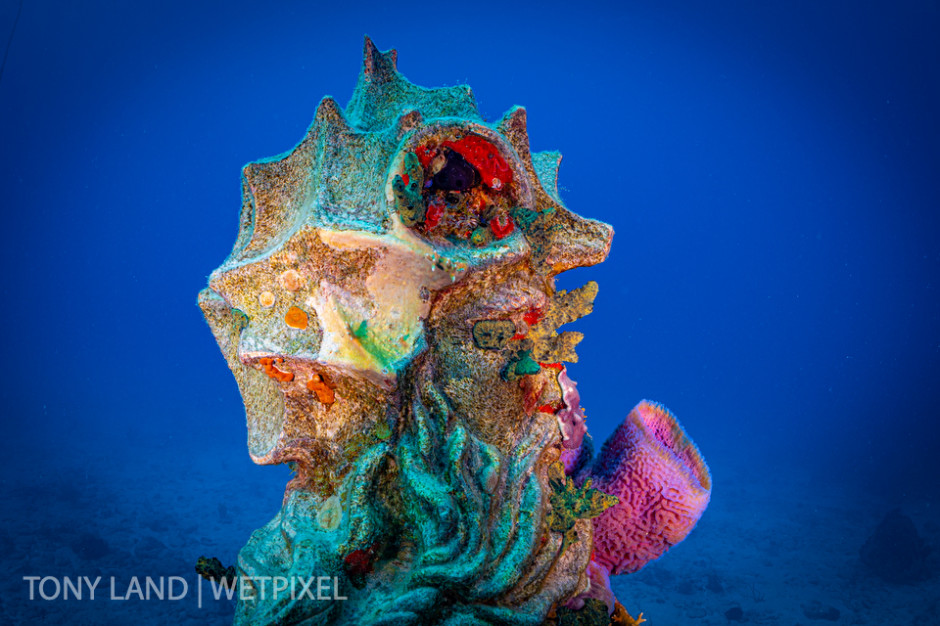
(773, 540)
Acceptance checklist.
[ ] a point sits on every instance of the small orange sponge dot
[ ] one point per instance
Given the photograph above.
(324, 391)
(291, 280)
(266, 298)
(295, 318)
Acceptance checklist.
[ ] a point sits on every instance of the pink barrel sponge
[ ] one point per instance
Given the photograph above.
(663, 485)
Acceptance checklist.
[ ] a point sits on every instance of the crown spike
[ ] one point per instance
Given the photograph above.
(513, 126)
(378, 65)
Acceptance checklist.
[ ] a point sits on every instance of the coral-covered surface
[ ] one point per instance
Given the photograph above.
(390, 315)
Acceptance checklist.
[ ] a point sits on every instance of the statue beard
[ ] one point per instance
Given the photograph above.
(476, 513)
(457, 526)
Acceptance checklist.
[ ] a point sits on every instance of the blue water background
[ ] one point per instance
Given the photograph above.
(771, 170)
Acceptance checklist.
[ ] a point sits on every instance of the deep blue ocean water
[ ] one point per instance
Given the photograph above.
(772, 172)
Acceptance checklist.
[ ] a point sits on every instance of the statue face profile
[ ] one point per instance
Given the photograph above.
(390, 315)
(329, 312)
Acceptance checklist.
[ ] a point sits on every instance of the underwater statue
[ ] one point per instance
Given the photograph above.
(390, 315)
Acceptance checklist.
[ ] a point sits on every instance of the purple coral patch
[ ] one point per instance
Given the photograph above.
(571, 417)
(663, 485)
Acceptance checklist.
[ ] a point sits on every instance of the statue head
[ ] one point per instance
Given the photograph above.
(403, 225)
(390, 314)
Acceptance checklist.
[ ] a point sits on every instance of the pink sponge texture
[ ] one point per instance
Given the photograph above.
(663, 485)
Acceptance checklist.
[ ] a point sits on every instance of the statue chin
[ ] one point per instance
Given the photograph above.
(390, 315)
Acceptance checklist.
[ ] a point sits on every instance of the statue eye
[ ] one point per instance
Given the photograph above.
(456, 175)
(456, 190)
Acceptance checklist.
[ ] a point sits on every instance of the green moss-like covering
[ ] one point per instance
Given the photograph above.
(570, 503)
(522, 364)
(408, 199)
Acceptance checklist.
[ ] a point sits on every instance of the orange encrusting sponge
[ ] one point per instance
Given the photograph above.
(296, 318)
(271, 370)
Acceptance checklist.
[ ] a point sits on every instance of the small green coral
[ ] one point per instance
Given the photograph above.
(522, 364)
(526, 365)
(482, 236)
(570, 503)
(240, 319)
(524, 217)
(407, 188)
(382, 431)
(361, 441)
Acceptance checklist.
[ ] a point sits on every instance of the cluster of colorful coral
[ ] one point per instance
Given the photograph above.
(535, 343)
(456, 189)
